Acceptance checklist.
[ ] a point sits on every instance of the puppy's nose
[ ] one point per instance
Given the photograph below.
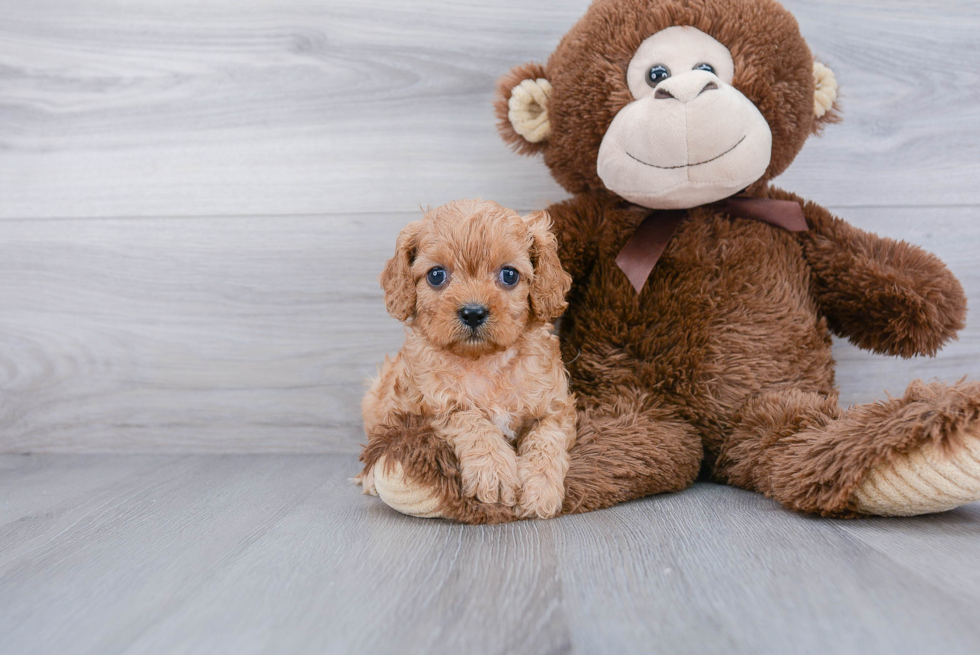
(473, 316)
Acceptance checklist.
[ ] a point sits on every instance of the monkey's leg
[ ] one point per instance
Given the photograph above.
(416, 472)
(626, 448)
(911, 455)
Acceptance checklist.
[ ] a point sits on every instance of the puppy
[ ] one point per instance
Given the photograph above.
(477, 286)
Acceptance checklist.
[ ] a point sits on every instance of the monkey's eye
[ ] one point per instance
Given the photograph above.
(509, 276)
(436, 277)
(657, 74)
(708, 68)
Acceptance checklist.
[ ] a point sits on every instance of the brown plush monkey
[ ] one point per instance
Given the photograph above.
(698, 329)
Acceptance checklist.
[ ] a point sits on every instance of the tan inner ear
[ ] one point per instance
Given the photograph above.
(826, 91)
(528, 109)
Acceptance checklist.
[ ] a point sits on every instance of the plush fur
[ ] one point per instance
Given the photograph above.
(478, 390)
(722, 364)
(773, 68)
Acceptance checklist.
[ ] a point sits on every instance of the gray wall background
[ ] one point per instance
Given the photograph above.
(196, 197)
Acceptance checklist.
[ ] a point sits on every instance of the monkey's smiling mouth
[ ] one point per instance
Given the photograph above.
(706, 161)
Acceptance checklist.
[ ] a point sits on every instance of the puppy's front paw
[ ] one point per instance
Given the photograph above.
(541, 494)
(491, 479)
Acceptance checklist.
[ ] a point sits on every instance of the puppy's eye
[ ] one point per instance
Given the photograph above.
(708, 68)
(657, 74)
(436, 277)
(509, 276)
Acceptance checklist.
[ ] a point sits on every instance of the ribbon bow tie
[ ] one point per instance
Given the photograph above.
(641, 252)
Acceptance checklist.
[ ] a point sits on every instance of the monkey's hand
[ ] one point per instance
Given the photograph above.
(887, 296)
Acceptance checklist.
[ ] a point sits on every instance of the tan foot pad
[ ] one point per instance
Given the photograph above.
(405, 496)
(922, 482)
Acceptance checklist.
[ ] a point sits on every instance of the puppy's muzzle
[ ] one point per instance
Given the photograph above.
(473, 315)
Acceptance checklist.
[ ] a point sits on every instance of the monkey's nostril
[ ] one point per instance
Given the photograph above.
(473, 316)
(684, 90)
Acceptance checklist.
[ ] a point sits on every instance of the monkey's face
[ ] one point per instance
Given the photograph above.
(670, 104)
(688, 137)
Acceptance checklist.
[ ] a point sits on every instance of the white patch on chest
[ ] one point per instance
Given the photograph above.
(503, 423)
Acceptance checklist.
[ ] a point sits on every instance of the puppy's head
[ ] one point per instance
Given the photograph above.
(471, 276)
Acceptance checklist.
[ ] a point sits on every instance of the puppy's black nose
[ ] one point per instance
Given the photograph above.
(473, 316)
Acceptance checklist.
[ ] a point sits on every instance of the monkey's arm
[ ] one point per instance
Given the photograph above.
(887, 296)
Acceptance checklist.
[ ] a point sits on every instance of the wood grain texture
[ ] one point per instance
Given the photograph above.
(257, 334)
(191, 335)
(249, 107)
(261, 157)
(279, 554)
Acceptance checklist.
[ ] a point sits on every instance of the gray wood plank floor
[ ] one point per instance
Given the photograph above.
(280, 554)
(197, 198)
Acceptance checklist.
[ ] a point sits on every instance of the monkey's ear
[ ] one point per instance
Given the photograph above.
(825, 107)
(522, 108)
(551, 283)
(396, 279)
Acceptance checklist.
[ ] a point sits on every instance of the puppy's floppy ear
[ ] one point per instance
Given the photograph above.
(522, 108)
(551, 283)
(396, 279)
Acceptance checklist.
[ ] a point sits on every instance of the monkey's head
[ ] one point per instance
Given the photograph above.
(670, 104)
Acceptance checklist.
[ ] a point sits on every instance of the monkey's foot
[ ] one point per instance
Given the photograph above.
(933, 478)
(403, 495)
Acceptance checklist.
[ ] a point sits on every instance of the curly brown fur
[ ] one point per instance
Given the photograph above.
(483, 387)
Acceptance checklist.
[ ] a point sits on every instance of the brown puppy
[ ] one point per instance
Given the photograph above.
(477, 285)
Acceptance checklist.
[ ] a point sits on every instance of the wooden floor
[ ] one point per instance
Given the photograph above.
(195, 201)
(280, 554)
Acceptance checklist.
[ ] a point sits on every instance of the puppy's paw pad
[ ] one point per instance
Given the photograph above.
(541, 496)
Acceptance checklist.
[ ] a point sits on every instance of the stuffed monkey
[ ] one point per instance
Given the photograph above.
(698, 330)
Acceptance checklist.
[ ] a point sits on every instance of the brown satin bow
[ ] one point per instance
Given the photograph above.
(641, 252)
